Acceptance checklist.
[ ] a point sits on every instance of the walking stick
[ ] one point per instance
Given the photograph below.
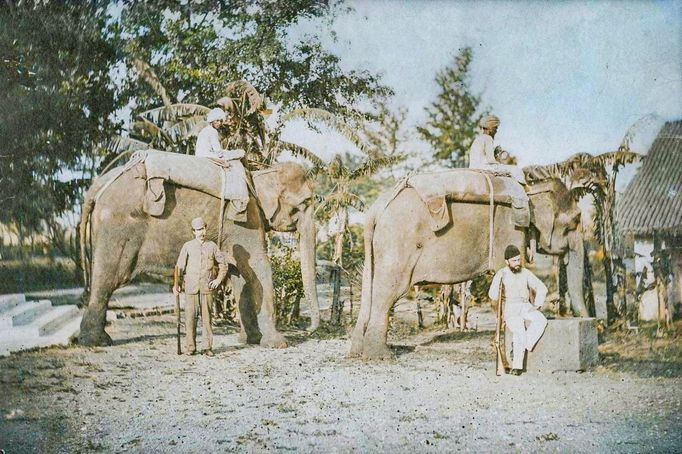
(176, 281)
(502, 364)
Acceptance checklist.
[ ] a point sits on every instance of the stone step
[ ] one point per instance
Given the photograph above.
(7, 302)
(24, 313)
(17, 339)
(53, 322)
(47, 323)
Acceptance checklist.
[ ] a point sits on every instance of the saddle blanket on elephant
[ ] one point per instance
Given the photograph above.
(468, 185)
(221, 179)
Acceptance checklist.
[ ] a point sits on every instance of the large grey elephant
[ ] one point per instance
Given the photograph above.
(402, 250)
(125, 242)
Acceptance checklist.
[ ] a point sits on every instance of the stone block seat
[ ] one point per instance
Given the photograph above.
(568, 344)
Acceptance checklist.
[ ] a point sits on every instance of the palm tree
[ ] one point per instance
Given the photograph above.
(586, 174)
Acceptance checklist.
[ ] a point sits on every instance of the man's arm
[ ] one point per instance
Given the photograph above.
(180, 265)
(494, 290)
(220, 259)
(233, 154)
(539, 288)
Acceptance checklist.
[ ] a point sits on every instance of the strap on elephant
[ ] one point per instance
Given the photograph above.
(136, 158)
(491, 220)
(405, 183)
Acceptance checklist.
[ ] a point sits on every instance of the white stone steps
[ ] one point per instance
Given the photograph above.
(7, 302)
(23, 314)
(18, 341)
(52, 321)
(25, 325)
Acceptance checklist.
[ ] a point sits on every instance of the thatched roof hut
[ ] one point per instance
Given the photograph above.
(650, 209)
(652, 202)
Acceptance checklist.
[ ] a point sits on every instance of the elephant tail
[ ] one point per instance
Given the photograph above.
(85, 239)
(368, 271)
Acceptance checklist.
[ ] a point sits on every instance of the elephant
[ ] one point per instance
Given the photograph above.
(401, 250)
(125, 242)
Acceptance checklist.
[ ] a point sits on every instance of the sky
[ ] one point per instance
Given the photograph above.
(564, 77)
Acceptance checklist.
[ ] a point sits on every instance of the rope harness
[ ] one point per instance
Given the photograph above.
(405, 183)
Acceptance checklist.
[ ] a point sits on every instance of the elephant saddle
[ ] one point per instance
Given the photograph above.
(226, 180)
(467, 185)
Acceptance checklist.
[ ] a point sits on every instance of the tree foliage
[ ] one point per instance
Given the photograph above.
(197, 49)
(454, 115)
(58, 103)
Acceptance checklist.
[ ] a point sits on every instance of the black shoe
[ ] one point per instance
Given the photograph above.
(515, 372)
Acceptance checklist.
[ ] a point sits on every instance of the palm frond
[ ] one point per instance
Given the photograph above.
(147, 130)
(336, 200)
(617, 158)
(187, 127)
(122, 144)
(336, 123)
(174, 112)
(148, 74)
(372, 165)
(297, 150)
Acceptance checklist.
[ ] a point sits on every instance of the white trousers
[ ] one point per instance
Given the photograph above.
(515, 316)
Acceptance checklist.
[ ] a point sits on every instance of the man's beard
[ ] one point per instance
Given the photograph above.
(515, 269)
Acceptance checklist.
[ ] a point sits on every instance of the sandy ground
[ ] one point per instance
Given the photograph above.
(440, 394)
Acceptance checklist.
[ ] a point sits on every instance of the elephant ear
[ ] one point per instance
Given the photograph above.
(268, 196)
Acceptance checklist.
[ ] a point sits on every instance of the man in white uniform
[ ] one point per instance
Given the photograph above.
(208, 146)
(482, 151)
(515, 283)
(208, 140)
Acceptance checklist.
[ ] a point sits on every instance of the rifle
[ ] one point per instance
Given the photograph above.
(176, 282)
(502, 363)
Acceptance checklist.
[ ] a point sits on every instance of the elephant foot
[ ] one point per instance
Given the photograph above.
(98, 339)
(252, 339)
(274, 340)
(355, 347)
(377, 351)
(314, 325)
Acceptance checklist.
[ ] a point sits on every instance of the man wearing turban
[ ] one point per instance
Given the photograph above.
(482, 151)
(208, 146)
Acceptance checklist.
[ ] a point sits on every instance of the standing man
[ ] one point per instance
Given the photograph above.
(197, 259)
(482, 151)
(515, 283)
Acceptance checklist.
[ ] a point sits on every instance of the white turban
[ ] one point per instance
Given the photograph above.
(489, 122)
(215, 115)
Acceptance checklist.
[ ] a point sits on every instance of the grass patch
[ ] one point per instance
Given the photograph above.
(37, 274)
(644, 354)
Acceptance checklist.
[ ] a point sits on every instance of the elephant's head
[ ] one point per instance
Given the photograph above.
(286, 198)
(555, 217)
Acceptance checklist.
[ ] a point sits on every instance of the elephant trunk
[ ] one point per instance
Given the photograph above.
(575, 273)
(306, 230)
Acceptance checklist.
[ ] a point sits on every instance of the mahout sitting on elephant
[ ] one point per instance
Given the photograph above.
(409, 241)
(126, 241)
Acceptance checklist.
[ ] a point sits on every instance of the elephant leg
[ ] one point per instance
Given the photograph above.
(254, 291)
(386, 292)
(108, 274)
(264, 297)
(92, 325)
(248, 319)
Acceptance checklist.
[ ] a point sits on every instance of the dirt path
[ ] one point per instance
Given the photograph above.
(439, 394)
